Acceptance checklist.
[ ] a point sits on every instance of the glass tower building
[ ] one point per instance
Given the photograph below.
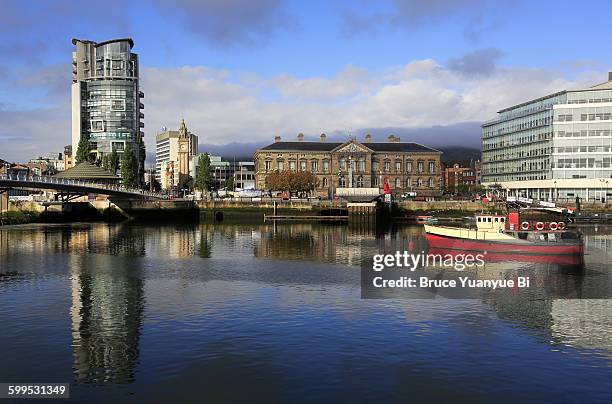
(106, 99)
(555, 147)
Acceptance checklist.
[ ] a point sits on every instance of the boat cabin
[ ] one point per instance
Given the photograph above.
(491, 223)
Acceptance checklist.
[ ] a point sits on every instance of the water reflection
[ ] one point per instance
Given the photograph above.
(184, 273)
(106, 314)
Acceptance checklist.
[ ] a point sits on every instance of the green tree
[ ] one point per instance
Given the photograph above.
(113, 162)
(83, 153)
(229, 184)
(128, 168)
(105, 162)
(204, 178)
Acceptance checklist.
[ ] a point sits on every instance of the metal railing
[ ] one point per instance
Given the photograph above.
(44, 179)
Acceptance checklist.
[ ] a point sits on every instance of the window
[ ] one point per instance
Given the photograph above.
(118, 146)
(302, 165)
(375, 181)
(387, 166)
(97, 125)
(343, 164)
(268, 165)
(409, 166)
(432, 166)
(420, 166)
(430, 183)
(398, 166)
(361, 166)
(118, 105)
(314, 166)
(419, 182)
(325, 166)
(281, 165)
(375, 165)
(408, 183)
(398, 183)
(325, 182)
(292, 165)
(360, 182)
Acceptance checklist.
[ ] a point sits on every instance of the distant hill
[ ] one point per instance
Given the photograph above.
(461, 155)
(244, 152)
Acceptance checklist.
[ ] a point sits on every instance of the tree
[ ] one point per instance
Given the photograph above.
(204, 178)
(229, 184)
(128, 168)
(301, 182)
(83, 153)
(113, 162)
(105, 162)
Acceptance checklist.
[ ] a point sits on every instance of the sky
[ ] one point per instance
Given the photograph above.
(242, 72)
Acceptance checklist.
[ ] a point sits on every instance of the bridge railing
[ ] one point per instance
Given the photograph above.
(45, 179)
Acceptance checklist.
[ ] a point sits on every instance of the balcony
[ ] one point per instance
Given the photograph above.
(141, 105)
(141, 115)
(140, 94)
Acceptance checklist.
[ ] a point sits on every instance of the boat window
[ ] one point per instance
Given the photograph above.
(489, 219)
(496, 220)
(479, 219)
(503, 219)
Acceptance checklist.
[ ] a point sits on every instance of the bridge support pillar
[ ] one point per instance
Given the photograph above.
(4, 200)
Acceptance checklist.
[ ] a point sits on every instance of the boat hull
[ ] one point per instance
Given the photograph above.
(505, 247)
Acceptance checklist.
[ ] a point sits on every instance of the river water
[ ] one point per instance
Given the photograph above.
(252, 312)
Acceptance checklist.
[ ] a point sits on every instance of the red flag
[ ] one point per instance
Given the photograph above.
(386, 189)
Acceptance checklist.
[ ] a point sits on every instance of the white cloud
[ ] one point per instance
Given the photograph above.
(224, 107)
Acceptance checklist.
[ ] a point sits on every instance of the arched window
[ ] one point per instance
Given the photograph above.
(420, 183)
(325, 183)
(398, 183)
(408, 183)
(343, 163)
(430, 183)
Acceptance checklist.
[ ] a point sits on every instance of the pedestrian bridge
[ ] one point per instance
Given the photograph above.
(69, 188)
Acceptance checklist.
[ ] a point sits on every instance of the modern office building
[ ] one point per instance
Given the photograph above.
(106, 98)
(174, 150)
(406, 166)
(555, 147)
(242, 172)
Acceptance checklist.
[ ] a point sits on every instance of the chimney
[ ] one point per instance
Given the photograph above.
(609, 76)
(323, 137)
(393, 139)
(300, 137)
(368, 138)
(277, 139)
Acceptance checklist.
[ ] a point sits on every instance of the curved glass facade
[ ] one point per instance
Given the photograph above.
(106, 98)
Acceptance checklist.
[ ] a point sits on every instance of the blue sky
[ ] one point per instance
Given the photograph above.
(244, 71)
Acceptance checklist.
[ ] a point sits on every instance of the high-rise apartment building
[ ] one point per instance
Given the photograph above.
(555, 147)
(106, 98)
(174, 150)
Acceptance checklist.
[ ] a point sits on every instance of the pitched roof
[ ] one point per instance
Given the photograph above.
(83, 171)
(329, 146)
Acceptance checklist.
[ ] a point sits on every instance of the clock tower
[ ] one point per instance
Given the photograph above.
(183, 149)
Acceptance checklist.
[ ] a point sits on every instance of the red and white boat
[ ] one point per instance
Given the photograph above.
(507, 235)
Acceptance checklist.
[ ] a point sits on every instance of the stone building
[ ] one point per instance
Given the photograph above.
(407, 166)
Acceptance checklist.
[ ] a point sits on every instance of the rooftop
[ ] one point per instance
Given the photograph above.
(86, 171)
(329, 146)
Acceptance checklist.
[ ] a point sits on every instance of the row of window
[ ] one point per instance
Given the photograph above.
(584, 133)
(360, 166)
(605, 116)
